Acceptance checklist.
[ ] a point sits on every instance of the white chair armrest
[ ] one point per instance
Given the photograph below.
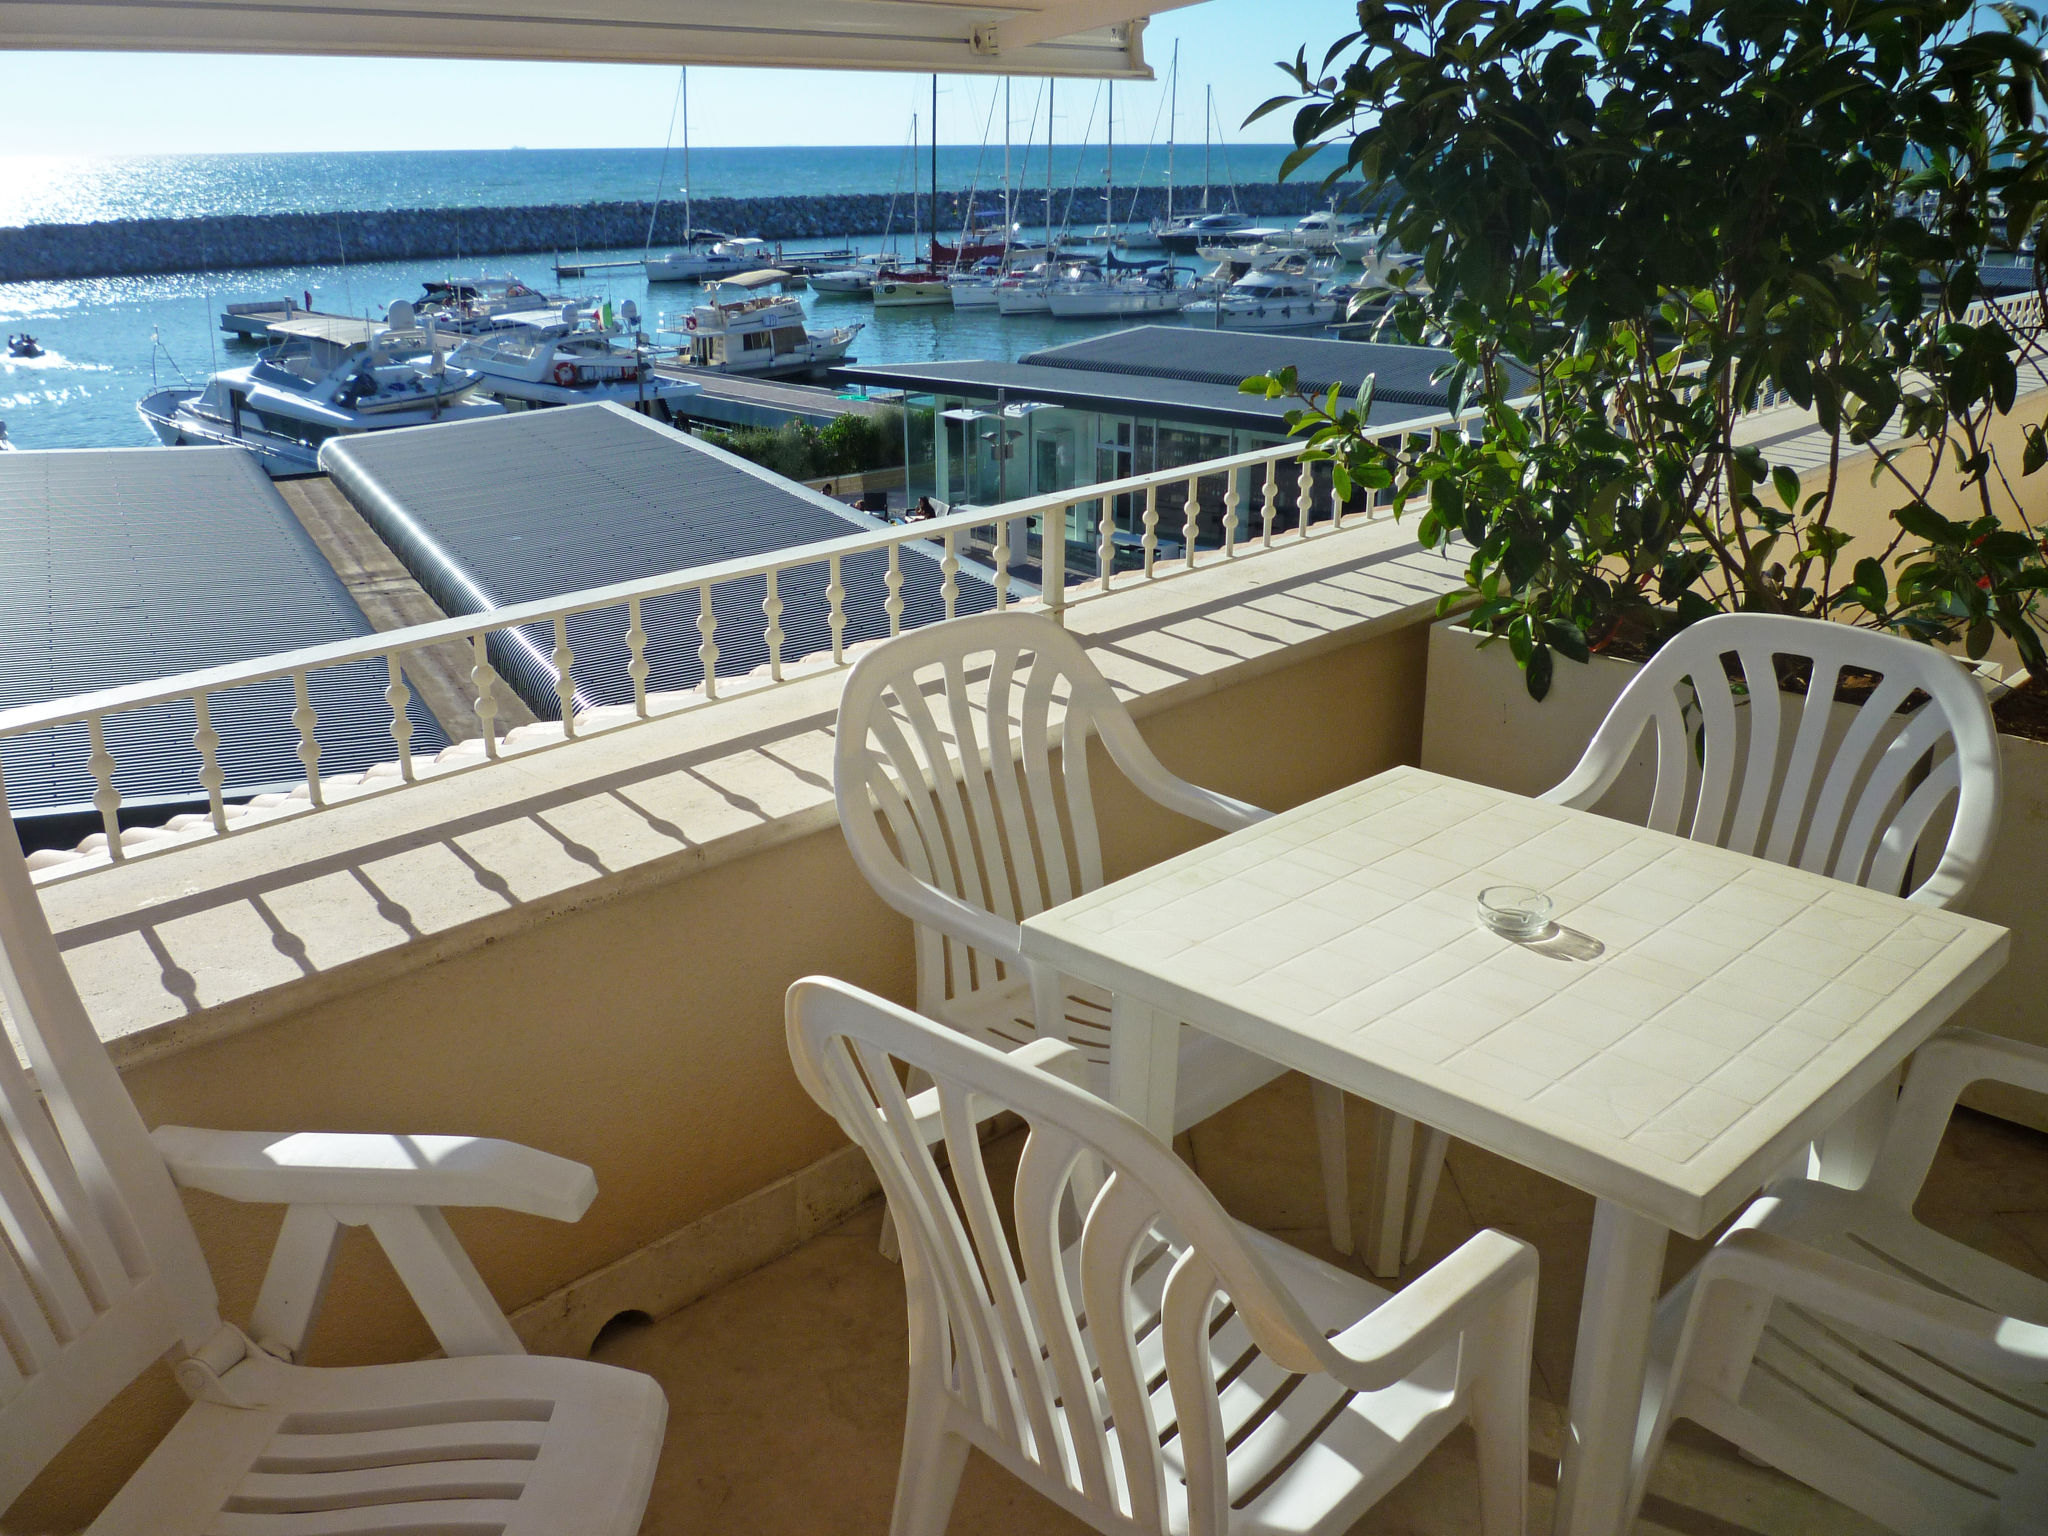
(1941, 1070)
(1959, 1333)
(1428, 1313)
(350, 1169)
(1129, 751)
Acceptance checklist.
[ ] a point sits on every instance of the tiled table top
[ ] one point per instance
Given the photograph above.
(1733, 1010)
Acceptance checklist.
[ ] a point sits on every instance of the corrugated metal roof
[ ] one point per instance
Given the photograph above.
(1127, 394)
(1187, 373)
(1198, 356)
(540, 503)
(122, 565)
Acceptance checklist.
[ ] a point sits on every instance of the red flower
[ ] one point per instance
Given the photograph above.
(1984, 582)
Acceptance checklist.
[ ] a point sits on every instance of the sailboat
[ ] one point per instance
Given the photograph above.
(1147, 239)
(919, 287)
(1183, 236)
(705, 252)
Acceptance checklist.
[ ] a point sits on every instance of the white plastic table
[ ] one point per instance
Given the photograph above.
(1699, 1016)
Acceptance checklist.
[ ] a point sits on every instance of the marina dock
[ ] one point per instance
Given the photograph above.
(254, 321)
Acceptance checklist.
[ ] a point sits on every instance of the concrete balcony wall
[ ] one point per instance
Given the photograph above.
(586, 951)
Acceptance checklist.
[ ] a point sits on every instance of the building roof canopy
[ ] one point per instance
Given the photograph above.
(1091, 38)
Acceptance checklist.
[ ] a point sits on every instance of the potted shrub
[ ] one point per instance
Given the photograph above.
(1640, 223)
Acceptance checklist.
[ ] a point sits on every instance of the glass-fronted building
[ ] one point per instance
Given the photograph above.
(1153, 397)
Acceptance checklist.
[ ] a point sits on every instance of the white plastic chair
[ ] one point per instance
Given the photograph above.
(946, 737)
(1836, 1338)
(1150, 1365)
(1853, 802)
(101, 1275)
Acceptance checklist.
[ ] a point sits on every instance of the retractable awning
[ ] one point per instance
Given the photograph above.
(1024, 37)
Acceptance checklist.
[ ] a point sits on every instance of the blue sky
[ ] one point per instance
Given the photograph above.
(124, 104)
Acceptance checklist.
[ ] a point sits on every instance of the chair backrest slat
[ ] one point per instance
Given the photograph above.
(1048, 1341)
(1857, 788)
(971, 739)
(100, 1271)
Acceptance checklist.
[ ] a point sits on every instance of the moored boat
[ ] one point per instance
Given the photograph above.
(1095, 293)
(328, 378)
(762, 335)
(1268, 299)
(541, 359)
(908, 290)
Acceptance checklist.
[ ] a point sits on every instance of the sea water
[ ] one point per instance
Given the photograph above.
(110, 340)
(56, 189)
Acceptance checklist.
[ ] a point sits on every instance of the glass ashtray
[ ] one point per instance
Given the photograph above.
(1515, 911)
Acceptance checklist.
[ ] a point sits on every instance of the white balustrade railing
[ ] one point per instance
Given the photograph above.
(1169, 525)
(1157, 518)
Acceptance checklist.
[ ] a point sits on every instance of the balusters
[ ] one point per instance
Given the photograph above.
(636, 646)
(1105, 545)
(771, 605)
(1191, 515)
(565, 684)
(707, 653)
(835, 611)
(486, 703)
(308, 749)
(1052, 559)
(106, 797)
(207, 740)
(1151, 539)
(1002, 564)
(1304, 496)
(397, 695)
(949, 567)
(893, 580)
(1233, 510)
(1269, 505)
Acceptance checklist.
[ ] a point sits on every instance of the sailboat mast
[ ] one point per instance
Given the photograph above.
(935, 169)
(1172, 118)
(914, 225)
(1109, 173)
(687, 224)
(1007, 220)
(1048, 169)
(1208, 112)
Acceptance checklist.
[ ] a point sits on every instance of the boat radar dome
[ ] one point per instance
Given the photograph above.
(630, 312)
(400, 316)
(569, 313)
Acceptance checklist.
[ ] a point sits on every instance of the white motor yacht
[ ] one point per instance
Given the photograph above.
(1095, 294)
(538, 358)
(330, 377)
(761, 335)
(1320, 232)
(1268, 299)
(706, 257)
(1184, 235)
(464, 306)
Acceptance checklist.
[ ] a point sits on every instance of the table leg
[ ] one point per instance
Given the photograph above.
(1144, 1061)
(1623, 1274)
(1847, 1148)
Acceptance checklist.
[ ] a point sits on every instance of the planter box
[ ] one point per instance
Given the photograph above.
(1480, 724)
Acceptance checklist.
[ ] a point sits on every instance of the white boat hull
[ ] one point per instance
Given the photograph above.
(897, 295)
(974, 295)
(854, 284)
(1022, 301)
(1113, 305)
(1264, 315)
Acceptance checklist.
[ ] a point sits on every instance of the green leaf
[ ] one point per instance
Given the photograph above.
(1785, 481)
(1536, 672)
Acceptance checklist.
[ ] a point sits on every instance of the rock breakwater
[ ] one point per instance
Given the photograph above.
(131, 247)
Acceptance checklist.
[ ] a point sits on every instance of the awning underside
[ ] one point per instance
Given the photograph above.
(1025, 37)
